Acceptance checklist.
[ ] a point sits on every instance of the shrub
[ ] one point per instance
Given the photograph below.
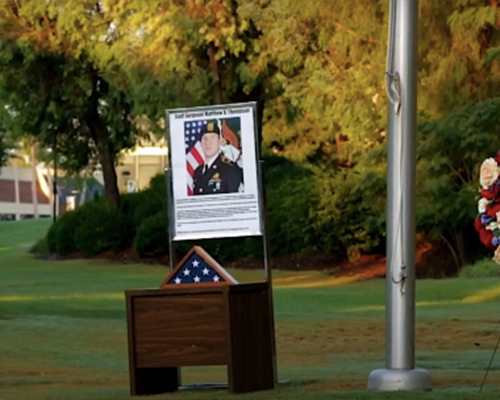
(349, 216)
(482, 269)
(61, 235)
(129, 203)
(99, 228)
(41, 247)
(289, 201)
(226, 248)
(137, 207)
(151, 201)
(151, 239)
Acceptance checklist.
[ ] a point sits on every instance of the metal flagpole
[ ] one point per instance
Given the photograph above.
(400, 372)
(267, 266)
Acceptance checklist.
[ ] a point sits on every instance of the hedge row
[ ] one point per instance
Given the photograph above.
(141, 221)
(310, 211)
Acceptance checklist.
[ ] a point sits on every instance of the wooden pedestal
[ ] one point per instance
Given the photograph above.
(172, 328)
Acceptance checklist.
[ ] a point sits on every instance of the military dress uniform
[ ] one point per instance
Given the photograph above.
(223, 176)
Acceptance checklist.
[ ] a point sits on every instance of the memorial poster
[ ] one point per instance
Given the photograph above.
(215, 190)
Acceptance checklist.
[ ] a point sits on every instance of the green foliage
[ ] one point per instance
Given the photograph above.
(481, 269)
(454, 38)
(5, 146)
(55, 87)
(94, 228)
(289, 190)
(151, 239)
(136, 208)
(99, 228)
(41, 247)
(492, 54)
(349, 214)
(61, 235)
(151, 201)
(99, 75)
(147, 218)
(450, 154)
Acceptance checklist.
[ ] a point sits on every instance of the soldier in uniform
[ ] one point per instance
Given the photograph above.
(218, 174)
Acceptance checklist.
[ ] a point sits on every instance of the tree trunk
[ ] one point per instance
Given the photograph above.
(452, 251)
(109, 174)
(99, 134)
(460, 246)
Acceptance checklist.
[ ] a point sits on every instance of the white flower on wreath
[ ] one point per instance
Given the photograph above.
(489, 172)
(494, 224)
(481, 205)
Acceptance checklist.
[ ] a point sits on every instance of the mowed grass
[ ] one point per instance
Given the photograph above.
(63, 330)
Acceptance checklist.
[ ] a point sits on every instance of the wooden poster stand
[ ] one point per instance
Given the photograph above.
(217, 325)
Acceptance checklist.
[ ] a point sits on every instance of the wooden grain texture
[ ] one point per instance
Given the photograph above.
(250, 342)
(180, 330)
(131, 344)
(169, 329)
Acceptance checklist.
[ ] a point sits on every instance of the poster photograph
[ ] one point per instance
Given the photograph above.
(215, 184)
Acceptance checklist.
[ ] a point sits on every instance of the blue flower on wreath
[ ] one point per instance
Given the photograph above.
(486, 219)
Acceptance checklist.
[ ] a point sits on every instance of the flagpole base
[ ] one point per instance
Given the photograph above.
(400, 379)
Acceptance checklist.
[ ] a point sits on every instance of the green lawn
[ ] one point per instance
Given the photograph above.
(63, 330)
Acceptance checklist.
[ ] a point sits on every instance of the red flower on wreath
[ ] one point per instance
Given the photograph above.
(491, 193)
(485, 235)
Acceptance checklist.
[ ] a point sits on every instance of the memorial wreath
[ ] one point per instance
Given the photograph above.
(487, 223)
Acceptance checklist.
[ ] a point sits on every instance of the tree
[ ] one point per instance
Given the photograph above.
(185, 53)
(55, 85)
(451, 152)
(455, 40)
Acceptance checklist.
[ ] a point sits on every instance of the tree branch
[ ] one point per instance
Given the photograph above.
(452, 251)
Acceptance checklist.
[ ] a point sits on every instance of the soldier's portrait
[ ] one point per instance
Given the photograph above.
(213, 157)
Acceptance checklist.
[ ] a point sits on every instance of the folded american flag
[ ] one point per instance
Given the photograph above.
(198, 267)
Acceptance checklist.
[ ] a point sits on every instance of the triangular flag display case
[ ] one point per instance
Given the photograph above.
(196, 269)
(200, 316)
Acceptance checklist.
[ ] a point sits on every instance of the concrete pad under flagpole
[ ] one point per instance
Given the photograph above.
(400, 372)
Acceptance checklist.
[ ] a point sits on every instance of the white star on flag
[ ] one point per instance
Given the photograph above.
(216, 278)
(186, 272)
(205, 271)
(196, 279)
(196, 263)
(177, 281)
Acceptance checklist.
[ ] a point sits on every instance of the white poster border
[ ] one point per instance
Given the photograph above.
(185, 208)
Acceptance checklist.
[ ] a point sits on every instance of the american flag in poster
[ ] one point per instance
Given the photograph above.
(196, 270)
(194, 152)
